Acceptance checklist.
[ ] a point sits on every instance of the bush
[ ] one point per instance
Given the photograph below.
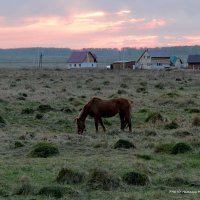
(99, 179)
(44, 150)
(135, 178)
(181, 148)
(196, 121)
(52, 191)
(70, 176)
(172, 125)
(123, 144)
(154, 117)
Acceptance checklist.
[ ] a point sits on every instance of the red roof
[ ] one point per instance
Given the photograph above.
(80, 57)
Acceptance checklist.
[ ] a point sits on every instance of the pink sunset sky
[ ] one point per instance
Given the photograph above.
(99, 24)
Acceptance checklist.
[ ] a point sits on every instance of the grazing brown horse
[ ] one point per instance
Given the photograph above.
(98, 108)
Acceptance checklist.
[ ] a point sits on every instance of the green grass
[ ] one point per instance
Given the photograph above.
(93, 154)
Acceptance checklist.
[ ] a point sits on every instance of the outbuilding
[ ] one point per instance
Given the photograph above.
(194, 62)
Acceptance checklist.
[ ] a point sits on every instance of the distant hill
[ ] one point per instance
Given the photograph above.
(104, 55)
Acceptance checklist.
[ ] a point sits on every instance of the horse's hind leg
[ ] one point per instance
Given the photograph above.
(101, 122)
(122, 121)
(128, 121)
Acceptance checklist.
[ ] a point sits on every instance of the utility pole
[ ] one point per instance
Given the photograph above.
(40, 61)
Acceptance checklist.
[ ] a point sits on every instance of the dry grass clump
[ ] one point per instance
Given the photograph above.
(44, 150)
(135, 178)
(125, 144)
(99, 179)
(196, 121)
(70, 176)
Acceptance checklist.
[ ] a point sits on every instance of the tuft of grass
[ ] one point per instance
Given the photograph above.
(135, 178)
(172, 94)
(70, 176)
(99, 179)
(192, 110)
(123, 144)
(159, 86)
(141, 90)
(123, 85)
(182, 133)
(2, 122)
(52, 191)
(144, 157)
(44, 108)
(121, 92)
(164, 148)
(172, 125)
(18, 144)
(39, 116)
(176, 181)
(154, 117)
(27, 111)
(181, 148)
(24, 186)
(44, 150)
(196, 121)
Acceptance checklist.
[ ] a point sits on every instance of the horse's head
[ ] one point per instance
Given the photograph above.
(80, 125)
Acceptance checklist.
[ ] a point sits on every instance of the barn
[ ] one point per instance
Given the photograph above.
(193, 62)
(82, 59)
(123, 65)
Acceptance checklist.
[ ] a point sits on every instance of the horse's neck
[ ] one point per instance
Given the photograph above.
(84, 113)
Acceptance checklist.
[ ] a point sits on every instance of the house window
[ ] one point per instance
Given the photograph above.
(79, 65)
(74, 65)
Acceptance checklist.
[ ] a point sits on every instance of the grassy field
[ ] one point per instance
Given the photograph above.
(43, 157)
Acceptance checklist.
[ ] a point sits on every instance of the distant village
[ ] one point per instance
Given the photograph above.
(149, 59)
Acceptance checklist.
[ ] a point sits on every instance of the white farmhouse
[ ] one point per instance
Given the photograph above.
(82, 59)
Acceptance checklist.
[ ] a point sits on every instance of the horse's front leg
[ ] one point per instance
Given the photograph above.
(96, 122)
(101, 122)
